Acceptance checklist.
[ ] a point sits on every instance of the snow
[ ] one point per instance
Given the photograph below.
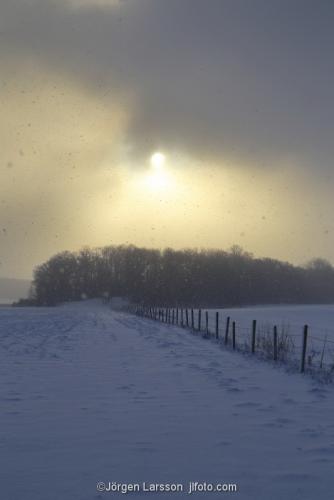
(289, 319)
(319, 318)
(89, 394)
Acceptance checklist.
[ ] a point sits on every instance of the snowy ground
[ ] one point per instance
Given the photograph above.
(91, 395)
(319, 318)
(289, 319)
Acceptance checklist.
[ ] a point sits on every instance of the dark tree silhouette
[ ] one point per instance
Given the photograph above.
(180, 277)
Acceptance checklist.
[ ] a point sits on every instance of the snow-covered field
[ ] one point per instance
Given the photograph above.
(319, 318)
(89, 394)
(290, 320)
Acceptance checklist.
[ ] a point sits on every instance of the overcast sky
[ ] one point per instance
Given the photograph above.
(238, 95)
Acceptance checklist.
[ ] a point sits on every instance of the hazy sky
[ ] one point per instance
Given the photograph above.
(238, 96)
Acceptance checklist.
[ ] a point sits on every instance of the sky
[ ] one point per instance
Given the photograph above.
(236, 95)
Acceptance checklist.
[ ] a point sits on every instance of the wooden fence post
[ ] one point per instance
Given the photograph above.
(177, 315)
(199, 319)
(187, 317)
(275, 344)
(233, 334)
(302, 366)
(217, 325)
(206, 323)
(182, 318)
(323, 352)
(227, 329)
(192, 319)
(253, 335)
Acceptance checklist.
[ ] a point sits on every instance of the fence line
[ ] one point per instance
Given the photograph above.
(315, 355)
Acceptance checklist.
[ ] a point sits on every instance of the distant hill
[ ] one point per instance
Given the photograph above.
(13, 289)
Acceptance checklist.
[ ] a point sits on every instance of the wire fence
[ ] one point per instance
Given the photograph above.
(296, 346)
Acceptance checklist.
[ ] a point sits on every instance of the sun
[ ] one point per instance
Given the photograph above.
(159, 178)
(158, 160)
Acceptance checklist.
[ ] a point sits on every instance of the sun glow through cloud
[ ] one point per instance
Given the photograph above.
(158, 160)
(158, 179)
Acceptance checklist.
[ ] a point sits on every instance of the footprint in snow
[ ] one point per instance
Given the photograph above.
(127, 388)
(282, 420)
(327, 450)
(266, 409)
(12, 399)
(270, 425)
(38, 397)
(232, 389)
(247, 404)
(278, 423)
(312, 433)
(289, 401)
(322, 460)
(223, 443)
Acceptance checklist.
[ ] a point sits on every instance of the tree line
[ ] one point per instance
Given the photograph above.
(206, 278)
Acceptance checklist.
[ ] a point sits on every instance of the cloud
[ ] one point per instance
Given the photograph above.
(59, 165)
(237, 94)
(245, 81)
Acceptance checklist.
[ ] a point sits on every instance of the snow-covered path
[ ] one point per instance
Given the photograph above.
(92, 395)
